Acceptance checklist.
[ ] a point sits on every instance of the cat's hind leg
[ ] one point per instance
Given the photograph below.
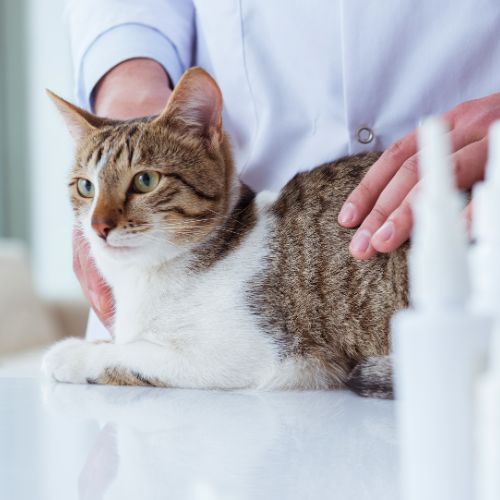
(372, 378)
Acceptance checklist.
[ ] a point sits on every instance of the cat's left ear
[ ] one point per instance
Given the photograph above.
(196, 103)
(79, 122)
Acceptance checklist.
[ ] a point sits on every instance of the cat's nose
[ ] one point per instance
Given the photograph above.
(103, 226)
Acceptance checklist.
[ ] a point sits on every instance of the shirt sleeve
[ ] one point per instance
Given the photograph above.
(104, 33)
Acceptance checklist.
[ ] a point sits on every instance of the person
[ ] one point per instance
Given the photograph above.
(303, 83)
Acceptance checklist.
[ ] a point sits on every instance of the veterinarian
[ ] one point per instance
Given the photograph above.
(303, 83)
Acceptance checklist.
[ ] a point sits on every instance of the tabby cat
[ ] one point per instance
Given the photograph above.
(215, 286)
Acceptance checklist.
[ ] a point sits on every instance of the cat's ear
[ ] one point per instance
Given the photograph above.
(197, 103)
(79, 122)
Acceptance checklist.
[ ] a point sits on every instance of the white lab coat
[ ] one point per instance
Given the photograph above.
(300, 78)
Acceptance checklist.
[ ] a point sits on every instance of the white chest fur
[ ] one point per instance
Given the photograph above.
(203, 317)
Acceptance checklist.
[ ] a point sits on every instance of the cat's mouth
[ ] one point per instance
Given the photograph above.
(114, 246)
(117, 248)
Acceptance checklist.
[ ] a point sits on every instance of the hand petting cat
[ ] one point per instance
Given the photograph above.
(134, 88)
(380, 205)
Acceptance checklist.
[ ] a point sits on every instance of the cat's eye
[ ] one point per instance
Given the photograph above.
(145, 182)
(85, 188)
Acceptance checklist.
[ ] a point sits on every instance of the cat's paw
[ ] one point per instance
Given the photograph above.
(69, 361)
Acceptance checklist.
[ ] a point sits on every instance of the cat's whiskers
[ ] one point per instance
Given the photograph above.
(155, 237)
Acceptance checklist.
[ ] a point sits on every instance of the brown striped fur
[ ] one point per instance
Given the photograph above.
(123, 376)
(313, 295)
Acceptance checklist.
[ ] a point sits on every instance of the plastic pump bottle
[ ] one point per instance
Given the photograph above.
(434, 342)
(485, 262)
(485, 254)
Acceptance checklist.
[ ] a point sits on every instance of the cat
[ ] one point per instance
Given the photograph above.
(216, 286)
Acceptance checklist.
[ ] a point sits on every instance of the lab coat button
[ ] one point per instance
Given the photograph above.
(365, 135)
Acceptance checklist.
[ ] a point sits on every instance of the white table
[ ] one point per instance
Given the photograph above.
(60, 441)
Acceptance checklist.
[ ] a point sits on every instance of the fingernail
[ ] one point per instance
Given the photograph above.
(361, 241)
(386, 232)
(347, 214)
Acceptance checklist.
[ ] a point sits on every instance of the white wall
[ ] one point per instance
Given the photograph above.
(50, 150)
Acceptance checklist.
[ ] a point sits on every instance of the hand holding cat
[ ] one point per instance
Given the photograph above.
(380, 205)
(95, 289)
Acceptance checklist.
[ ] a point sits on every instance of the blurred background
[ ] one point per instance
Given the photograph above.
(40, 299)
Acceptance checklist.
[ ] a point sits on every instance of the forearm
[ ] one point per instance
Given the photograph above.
(133, 88)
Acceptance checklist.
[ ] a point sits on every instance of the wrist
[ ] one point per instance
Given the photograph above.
(133, 88)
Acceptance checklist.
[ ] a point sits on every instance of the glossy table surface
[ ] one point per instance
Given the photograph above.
(60, 441)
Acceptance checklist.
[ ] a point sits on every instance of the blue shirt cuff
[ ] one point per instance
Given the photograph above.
(118, 44)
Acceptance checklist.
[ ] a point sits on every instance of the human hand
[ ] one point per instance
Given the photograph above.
(95, 289)
(134, 88)
(380, 204)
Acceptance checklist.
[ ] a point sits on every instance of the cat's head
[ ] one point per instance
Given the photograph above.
(155, 187)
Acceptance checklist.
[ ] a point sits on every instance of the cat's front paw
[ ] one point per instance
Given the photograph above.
(69, 361)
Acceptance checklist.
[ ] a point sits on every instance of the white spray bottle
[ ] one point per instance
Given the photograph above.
(485, 264)
(434, 344)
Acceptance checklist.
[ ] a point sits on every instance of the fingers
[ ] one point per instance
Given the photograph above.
(385, 232)
(360, 246)
(100, 298)
(397, 228)
(363, 198)
(384, 229)
(389, 200)
(95, 289)
(469, 163)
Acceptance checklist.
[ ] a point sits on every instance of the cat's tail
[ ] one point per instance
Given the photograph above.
(372, 378)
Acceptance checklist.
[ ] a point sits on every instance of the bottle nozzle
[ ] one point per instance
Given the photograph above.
(438, 257)
(435, 153)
